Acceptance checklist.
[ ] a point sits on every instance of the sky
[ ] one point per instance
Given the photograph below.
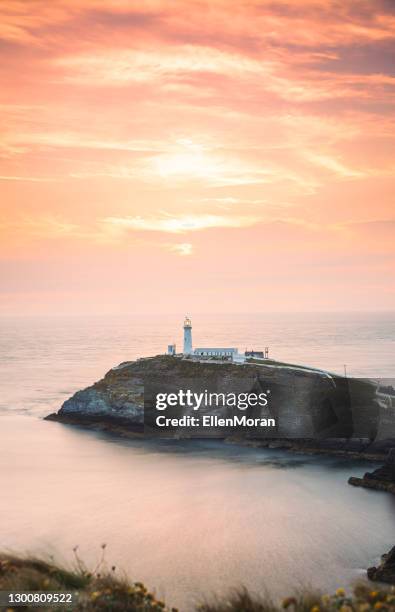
(196, 156)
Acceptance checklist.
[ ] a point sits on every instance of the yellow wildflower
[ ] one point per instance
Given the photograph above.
(315, 609)
(340, 592)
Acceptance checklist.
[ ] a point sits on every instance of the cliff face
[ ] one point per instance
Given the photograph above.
(307, 404)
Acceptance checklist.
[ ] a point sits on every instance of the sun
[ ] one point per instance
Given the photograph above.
(182, 164)
(188, 160)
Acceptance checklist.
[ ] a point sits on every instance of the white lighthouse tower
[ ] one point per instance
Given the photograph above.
(187, 336)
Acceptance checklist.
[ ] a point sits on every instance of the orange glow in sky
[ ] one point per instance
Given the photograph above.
(196, 155)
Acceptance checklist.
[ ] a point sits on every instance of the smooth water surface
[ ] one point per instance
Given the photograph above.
(189, 518)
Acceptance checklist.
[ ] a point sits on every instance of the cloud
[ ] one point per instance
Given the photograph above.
(307, 23)
(125, 65)
(332, 164)
(31, 179)
(177, 225)
(84, 140)
(42, 226)
(184, 248)
(187, 68)
(184, 162)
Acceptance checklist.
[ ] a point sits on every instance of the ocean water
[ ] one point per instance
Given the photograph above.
(187, 518)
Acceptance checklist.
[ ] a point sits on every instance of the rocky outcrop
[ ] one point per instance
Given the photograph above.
(386, 570)
(382, 479)
(314, 411)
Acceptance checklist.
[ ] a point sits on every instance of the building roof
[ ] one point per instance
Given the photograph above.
(215, 348)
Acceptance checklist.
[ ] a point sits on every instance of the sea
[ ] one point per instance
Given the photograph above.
(192, 520)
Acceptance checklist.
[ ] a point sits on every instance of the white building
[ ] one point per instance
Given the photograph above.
(215, 352)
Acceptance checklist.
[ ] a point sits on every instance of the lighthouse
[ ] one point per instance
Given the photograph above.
(187, 336)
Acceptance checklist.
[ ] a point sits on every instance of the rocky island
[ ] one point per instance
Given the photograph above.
(315, 411)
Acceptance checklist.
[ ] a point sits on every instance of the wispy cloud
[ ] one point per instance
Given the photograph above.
(83, 140)
(183, 248)
(333, 165)
(178, 225)
(187, 67)
(29, 179)
(42, 226)
(123, 66)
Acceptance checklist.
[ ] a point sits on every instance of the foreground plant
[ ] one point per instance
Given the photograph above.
(103, 589)
(362, 599)
(99, 589)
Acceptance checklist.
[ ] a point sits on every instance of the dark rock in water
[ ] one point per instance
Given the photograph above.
(387, 472)
(382, 479)
(386, 570)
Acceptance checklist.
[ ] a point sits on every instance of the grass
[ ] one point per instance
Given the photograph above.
(273, 362)
(99, 589)
(362, 599)
(103, 588)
